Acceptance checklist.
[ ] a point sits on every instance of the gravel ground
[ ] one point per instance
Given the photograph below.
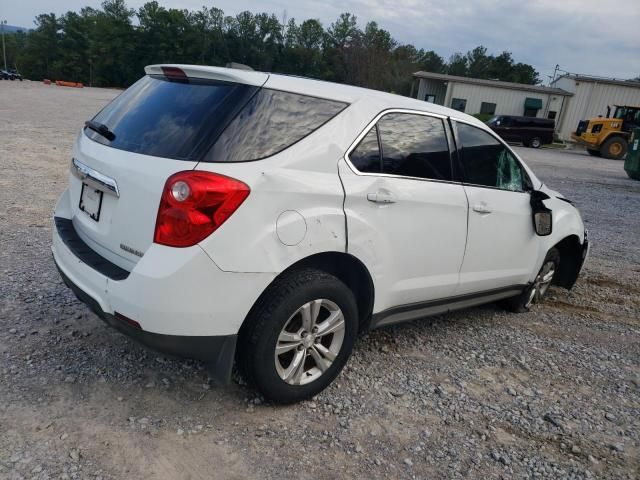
(554, 393)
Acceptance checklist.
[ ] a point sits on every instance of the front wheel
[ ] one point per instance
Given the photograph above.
(535, 292)
(299, 336)
(614, 148)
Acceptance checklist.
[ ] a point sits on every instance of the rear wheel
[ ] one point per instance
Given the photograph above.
(614, 148)
(299, 336)
(593, 153)
(538, 289)
(535, 142)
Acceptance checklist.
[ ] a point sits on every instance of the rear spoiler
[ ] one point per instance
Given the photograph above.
(257, 79)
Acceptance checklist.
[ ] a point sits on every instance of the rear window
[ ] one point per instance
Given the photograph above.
(171, 119)
(203, 120)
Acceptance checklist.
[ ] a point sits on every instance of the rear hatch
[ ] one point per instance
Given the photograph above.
(161, 125)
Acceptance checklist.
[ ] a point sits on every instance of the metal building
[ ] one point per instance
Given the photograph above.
(591, 97)
(490, 97)
(569, 99)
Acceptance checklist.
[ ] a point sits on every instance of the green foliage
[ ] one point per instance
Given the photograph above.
(483, 117)
(477, 64)
(110, 47)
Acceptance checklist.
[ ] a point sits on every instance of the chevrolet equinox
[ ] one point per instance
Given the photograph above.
(263, 221)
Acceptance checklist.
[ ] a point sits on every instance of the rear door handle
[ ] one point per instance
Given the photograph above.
(381, 197)
(482, 208)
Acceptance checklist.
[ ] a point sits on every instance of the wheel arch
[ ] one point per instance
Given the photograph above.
(570, 250)
(615, 133)
(349, 269)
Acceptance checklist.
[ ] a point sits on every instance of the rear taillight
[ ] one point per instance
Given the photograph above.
(194, 204)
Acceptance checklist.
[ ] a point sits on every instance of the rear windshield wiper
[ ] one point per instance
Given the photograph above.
(100, 128)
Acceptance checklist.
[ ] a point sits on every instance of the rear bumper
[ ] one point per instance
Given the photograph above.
(217, 352)
(184, 303)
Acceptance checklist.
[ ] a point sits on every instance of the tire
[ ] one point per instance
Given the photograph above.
(538, 289)
(593, 153)
(535, 142)
(614, 148)
(278, 320)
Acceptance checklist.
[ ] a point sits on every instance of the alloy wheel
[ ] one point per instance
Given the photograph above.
(541, 283)
(309, 342)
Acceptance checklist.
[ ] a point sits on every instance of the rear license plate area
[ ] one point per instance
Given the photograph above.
(91, 201)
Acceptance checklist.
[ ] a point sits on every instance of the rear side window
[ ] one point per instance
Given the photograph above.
(164, 118)
(366, 156)
(486, 161)
(414, 146)
(270, 122)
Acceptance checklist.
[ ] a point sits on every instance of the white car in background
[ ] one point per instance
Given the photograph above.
(263, 220)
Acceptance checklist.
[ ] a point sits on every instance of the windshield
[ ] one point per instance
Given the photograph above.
(627, 114)
(620, 112)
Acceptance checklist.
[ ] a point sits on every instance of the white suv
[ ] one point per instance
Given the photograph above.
(264, 220)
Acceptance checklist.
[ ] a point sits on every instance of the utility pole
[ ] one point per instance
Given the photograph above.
(4, 52)
(555, 72)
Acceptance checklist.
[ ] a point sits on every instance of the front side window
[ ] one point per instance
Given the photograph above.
(414, 146)
(366, 156)
(486, 161)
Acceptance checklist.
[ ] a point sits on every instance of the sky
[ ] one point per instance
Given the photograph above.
(582, 36)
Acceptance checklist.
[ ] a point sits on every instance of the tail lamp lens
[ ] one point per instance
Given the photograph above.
(180, 191)
(194, 204)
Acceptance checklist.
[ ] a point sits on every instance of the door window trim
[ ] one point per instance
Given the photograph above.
(457, 180)
(526, 177)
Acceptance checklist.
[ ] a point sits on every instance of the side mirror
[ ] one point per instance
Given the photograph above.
(542, 216)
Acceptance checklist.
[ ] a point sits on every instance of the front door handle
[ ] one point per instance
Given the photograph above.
(381, 197)
(481, 208)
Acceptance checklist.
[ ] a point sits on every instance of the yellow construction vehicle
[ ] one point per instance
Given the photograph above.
(608, 137)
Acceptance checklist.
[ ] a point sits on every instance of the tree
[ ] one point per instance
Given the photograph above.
(457, 65)
(478, 63)
(339, 39)
(42, 48)
(112, 44)
(430, 61)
